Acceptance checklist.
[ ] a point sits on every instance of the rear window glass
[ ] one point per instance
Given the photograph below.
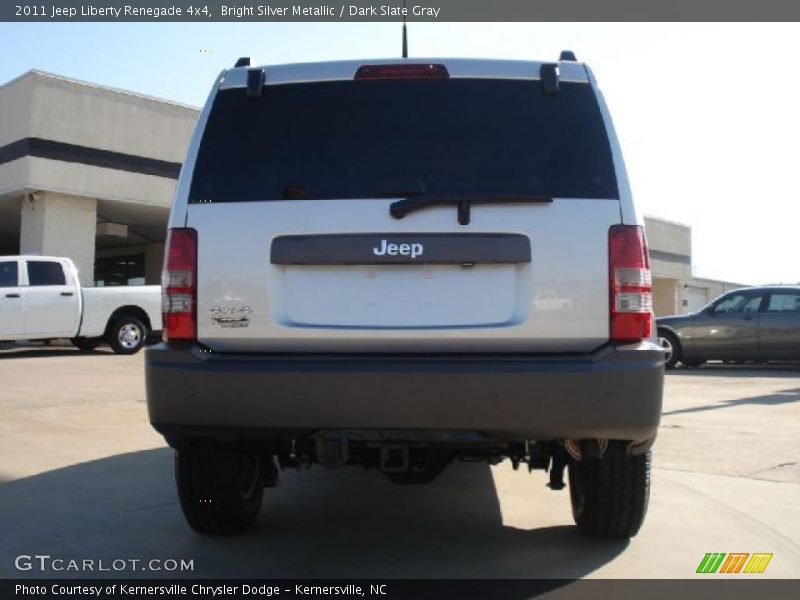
(360, 139)
(45, 273)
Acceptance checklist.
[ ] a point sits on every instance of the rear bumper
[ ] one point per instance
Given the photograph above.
(613, 393)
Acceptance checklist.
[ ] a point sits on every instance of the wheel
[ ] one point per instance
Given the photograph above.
(609, 496)
(220, 488)
(672, 348)
(86, 344)
(127, 335)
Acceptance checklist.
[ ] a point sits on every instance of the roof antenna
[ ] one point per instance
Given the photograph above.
(405, 33)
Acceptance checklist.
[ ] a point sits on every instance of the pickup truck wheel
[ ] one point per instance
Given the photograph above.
(672, 348)
(610, 495)
(127, 335)
(220, 489)
(86, 344)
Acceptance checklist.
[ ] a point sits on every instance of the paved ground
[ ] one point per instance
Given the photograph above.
(83, 476)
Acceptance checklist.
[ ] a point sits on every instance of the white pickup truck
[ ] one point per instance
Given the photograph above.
(41, 299)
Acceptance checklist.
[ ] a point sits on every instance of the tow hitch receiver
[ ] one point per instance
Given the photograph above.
(547, 456)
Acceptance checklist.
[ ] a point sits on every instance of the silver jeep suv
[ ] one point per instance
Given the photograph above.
(354, 274)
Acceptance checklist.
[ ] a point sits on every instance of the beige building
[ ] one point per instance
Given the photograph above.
(675, 289)
(88, 172)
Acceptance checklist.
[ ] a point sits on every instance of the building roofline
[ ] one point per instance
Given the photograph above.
(737, 284)
(97, 86)
(669, 221)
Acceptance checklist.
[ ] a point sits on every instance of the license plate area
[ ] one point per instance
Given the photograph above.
(399, 297)
(408, 281)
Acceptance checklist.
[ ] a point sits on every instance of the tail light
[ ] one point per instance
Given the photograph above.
(402, 71)
(630, 284)
(179, 286)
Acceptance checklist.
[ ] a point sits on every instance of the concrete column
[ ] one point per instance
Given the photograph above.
(153, 263)
(53, 224)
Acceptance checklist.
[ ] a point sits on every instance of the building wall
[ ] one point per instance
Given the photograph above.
(695, 298)
(675, 289)
(57, 109)
(104, 146)
(15, 117)
(16, 100)
(153, 258)
(670, 248)
(100, 117)
(665, 296)
(713, 288)
(53, 224)
(669, 236)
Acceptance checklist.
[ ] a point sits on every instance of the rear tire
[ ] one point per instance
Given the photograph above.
(220, 488)
(127, 335)
(610, 495)
(672, 348)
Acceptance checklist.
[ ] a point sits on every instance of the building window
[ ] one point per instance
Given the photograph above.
(119, 270)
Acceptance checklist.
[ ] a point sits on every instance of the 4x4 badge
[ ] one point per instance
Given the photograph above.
(230, 317)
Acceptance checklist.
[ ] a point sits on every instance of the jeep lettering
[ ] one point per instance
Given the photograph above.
(384, 248)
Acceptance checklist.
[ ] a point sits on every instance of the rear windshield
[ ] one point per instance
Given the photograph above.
(361, 139)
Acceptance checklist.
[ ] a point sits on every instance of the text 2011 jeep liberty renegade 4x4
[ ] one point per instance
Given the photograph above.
(353, 258)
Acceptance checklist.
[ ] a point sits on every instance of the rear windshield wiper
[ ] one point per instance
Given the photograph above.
(401, 208)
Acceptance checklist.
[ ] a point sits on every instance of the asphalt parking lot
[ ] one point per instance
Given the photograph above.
(82, 476)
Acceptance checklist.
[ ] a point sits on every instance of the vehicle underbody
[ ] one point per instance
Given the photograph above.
(410, 457)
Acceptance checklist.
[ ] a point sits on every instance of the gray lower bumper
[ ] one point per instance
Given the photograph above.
(613, 393)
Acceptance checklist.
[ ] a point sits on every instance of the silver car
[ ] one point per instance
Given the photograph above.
(753, 324)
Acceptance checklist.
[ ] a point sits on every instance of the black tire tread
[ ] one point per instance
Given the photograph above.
(208, 489)
(616, 494)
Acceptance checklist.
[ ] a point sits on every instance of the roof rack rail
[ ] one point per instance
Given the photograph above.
(244, 61)
(548, 73)
(255, 82)
(567, 55)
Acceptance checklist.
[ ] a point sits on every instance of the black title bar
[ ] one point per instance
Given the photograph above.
(709, 588)
(392, 10)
